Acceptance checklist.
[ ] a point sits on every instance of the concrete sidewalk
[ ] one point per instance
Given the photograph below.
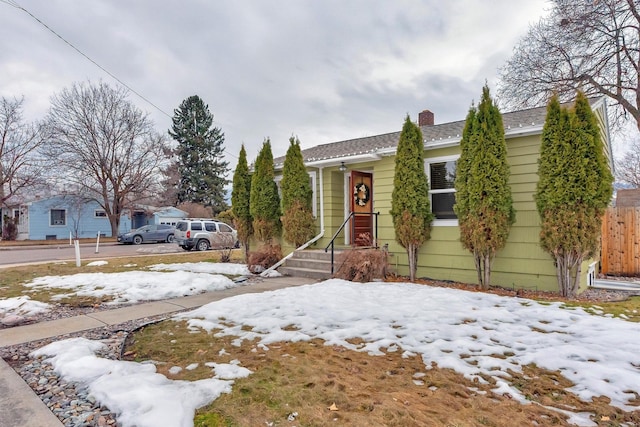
(20, 406)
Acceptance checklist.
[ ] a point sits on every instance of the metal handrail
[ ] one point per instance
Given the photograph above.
(335, 235)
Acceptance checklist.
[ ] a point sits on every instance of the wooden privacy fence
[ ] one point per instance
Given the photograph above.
(621, 241)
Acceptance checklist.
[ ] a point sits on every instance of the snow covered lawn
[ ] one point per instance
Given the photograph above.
(476, 334)
(164, 281)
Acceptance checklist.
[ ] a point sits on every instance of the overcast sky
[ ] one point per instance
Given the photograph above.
(325, 70)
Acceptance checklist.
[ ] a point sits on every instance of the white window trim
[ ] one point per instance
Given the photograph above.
(57, 225)
(314, 192)
(95, 213)
(427, 162)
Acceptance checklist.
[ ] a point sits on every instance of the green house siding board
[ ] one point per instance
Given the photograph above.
(519, 280)
(522, 197)
(514, 252)
(286, 247)
(521, 264)
(521, 169)
(543, 265)
(602, 121)
(443, 256)
(385, 167)
(516, 151)
(525, 234)
(333, 203)
(523, 178)
(527, 188)
(522, 155)
(441, 152)
(527, 217)
(386, 235)
(524, 205)
(446, 272)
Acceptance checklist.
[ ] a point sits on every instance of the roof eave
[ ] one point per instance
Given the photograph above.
(523, 131)
(336, 161)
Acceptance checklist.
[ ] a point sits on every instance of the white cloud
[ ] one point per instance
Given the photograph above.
(325, 71)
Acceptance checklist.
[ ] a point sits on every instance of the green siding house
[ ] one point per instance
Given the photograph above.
(338, 169)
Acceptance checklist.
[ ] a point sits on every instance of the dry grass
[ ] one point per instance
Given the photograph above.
(628, 309)
(308, 378)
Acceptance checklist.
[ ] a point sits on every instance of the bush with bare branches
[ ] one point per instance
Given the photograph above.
(264, 257)
(9, 229)
(362, 265)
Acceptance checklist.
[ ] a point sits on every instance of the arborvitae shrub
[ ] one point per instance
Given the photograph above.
(298, 224)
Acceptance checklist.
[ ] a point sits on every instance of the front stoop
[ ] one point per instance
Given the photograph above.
(311, 263)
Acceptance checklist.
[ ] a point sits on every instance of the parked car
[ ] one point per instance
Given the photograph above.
(203, 234)
(153, 233)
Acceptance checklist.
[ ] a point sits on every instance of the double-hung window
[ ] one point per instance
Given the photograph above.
(312, 183)
(442, 193)
(58, 217)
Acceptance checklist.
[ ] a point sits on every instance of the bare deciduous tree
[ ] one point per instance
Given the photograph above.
(105, 146)
(593, 46)
(628, 167)
(21, 166)
(196, 210)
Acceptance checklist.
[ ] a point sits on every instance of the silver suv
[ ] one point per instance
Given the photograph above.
(202, 234)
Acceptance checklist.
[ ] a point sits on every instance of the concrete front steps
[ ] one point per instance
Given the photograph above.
(309, 263)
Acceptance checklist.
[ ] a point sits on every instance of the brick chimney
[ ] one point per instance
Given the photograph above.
(425, 118)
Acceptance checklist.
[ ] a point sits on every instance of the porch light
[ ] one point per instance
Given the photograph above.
(343, 168)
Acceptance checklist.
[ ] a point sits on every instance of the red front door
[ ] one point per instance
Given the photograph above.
(362, 207)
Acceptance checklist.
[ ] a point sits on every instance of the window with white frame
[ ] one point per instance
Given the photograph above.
(312, 182)
(100, 213)
(442, 193)
(58, 217)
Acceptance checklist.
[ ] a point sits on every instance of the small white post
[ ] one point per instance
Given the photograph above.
(77, 243)
(98, 243)
(70, 239)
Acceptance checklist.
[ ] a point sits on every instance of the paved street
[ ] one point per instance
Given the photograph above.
(64, 252)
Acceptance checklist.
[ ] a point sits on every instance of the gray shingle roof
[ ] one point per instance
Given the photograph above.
(531, 119)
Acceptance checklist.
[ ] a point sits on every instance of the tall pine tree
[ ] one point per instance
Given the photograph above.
(240, 196)
(200, 149)
(483, 196)
(298, 225)
(410, 207)
(264, 204)
(573, 190)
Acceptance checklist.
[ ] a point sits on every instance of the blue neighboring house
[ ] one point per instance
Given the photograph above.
(168, 215)
(144, 215)
(60, 217)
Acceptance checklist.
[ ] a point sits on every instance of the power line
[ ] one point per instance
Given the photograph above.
(17, 6)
